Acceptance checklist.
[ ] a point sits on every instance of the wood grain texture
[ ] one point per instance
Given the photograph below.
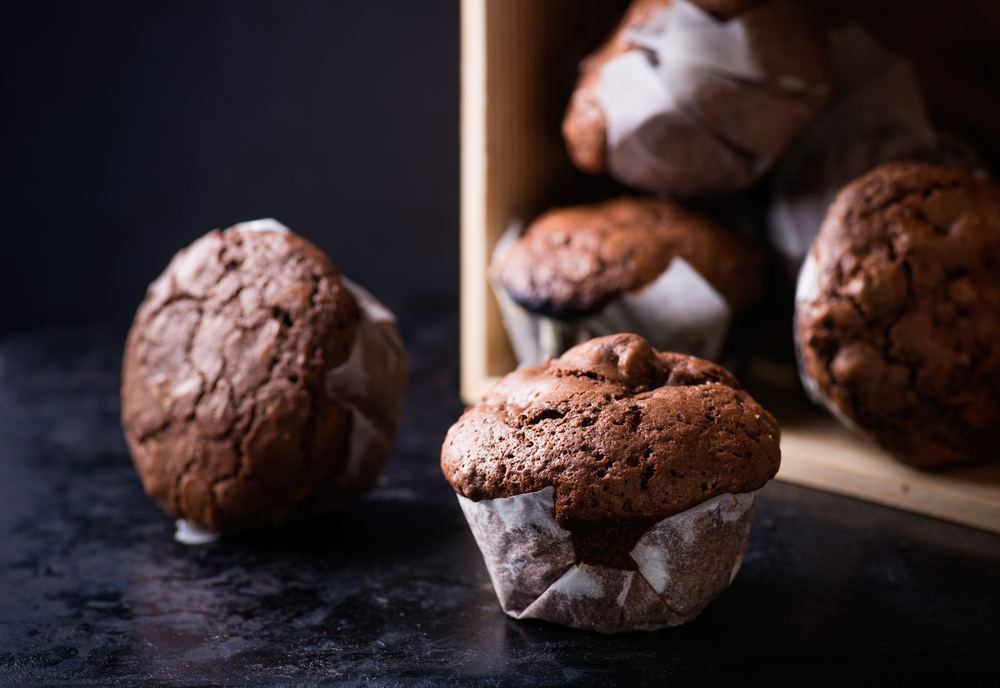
(820, 453)
(519, 62)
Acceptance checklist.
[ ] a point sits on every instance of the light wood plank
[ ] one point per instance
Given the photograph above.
(820, 453)
(475, 330)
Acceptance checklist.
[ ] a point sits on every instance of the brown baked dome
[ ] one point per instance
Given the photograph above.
(223, 399)
(574, 261)
(898, 315)
(621, 431)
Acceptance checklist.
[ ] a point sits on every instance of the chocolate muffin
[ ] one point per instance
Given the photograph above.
(574, 261)
(898, 313)
(632, 265)
(622, 480)
(227, 402)
(584, 126)
(661, 108)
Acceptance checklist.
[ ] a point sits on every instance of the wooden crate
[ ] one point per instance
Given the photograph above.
(519, 62)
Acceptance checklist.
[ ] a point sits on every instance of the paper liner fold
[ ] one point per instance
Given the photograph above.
(372, 383)
(707, 106)
(878, 115)
(684, 562)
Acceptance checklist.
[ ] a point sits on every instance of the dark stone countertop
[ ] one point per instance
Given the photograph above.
(393, 591)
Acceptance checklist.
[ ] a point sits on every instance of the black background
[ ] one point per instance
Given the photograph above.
(132, 128)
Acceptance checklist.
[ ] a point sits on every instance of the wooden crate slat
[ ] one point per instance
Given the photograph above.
(822, 454)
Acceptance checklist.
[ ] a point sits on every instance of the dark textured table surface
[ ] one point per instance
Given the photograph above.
(392, 590)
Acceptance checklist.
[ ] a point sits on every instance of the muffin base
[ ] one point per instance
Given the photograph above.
(684, 562)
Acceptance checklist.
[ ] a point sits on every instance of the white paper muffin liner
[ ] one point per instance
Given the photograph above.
(371, 383)
(696, 110)
(684, 562)
(879, 115)
(679, 311)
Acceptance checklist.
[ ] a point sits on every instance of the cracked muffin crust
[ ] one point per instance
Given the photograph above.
(623, 433)
(223, 399)
(574, 261)
(898, 323)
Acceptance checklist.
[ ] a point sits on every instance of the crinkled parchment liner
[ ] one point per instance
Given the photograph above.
(685, 561)
(371, 383)
(879, 115)
(696, 111)
(679, 311)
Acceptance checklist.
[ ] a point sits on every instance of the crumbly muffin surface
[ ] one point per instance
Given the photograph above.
(901, 328)
(574, 261)
(623, 432)
(223, 400)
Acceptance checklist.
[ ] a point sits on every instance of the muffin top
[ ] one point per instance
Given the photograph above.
(224, 404)
(622, 431)
(898, 317)
(574, 261)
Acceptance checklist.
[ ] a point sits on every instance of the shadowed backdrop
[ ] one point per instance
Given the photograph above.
(133, 128)
(130, 129)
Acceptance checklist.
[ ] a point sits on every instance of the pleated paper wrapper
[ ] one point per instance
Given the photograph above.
(878, 115)
(707, 106)
(683, 563)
